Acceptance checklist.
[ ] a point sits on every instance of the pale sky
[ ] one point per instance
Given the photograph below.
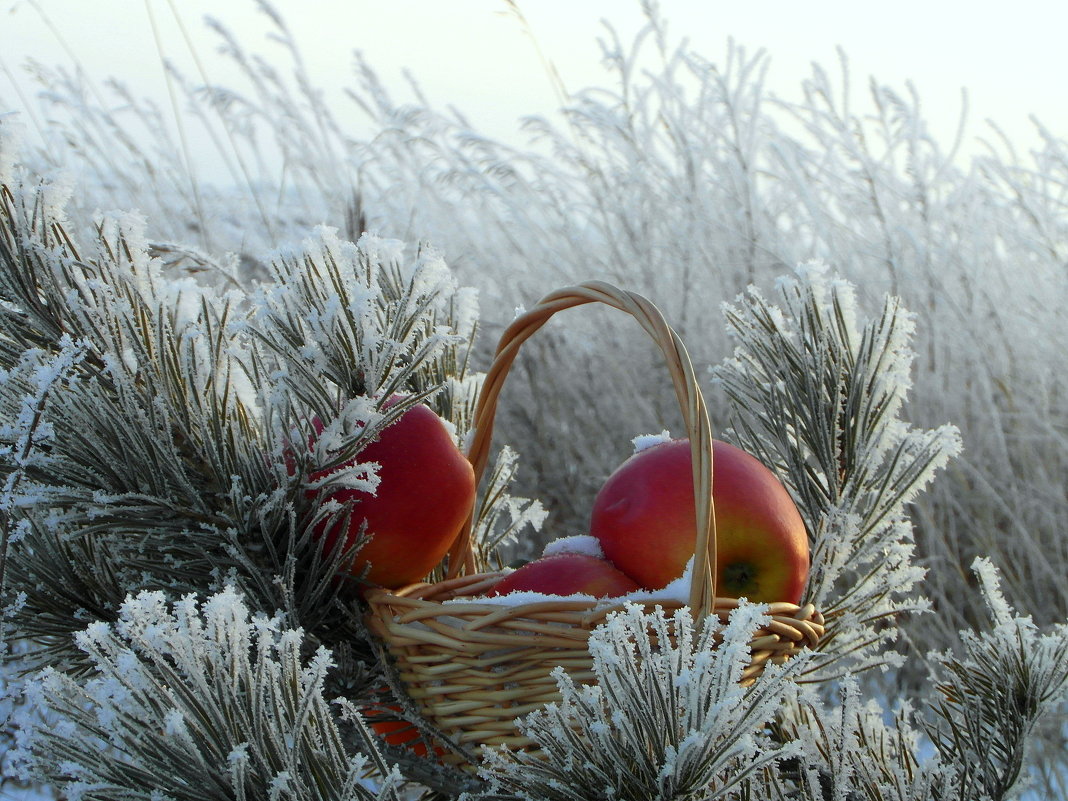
(475, 55)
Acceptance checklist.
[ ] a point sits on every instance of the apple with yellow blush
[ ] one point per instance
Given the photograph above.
(645, 521)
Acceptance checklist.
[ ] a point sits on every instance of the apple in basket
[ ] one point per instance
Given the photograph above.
(399, 732)
(645, 521)
(566, 574)
(425, 493)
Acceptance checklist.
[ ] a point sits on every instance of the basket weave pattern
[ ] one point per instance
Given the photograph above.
(474, 667)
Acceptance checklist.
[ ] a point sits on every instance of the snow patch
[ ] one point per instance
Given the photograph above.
(524, 597)
(585, 544)
(643, 442)
(678, 591)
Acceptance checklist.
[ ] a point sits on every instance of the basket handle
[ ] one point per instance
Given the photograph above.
(687, 392)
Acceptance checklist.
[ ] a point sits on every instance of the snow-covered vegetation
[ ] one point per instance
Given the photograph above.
(161, 338)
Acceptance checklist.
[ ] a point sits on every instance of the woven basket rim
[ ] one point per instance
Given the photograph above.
(412, 594)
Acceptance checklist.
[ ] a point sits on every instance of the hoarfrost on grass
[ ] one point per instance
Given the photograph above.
(12, 136)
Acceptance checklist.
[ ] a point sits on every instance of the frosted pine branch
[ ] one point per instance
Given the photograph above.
(667, 719)
(153, 433)
(817, 394)
(27, 441)
(994, 691)
(991, 693)
(195, 701)
(357, 319)
(854, 749)
(501, 517)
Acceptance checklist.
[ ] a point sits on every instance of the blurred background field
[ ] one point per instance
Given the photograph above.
(686, 170)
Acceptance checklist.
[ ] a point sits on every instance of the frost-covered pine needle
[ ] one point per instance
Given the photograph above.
(667, 719)
(193, 701)
(995, 689)
(195, 436)
(817, 392)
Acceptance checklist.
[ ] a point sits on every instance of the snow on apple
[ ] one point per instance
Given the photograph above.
(576, 543)
(567, 574)
(645, 441)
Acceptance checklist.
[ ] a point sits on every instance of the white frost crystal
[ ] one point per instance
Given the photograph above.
(645, 441)
(577, 543)
(665, 690)
(217, 691)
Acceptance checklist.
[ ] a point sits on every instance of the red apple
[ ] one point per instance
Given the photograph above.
(567, 574)
(396, 731)
(425, 493)
(645, 521)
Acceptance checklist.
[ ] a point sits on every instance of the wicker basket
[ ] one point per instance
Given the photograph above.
(473, 668)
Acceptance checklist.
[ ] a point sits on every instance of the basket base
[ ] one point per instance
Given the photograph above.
(473, 668)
